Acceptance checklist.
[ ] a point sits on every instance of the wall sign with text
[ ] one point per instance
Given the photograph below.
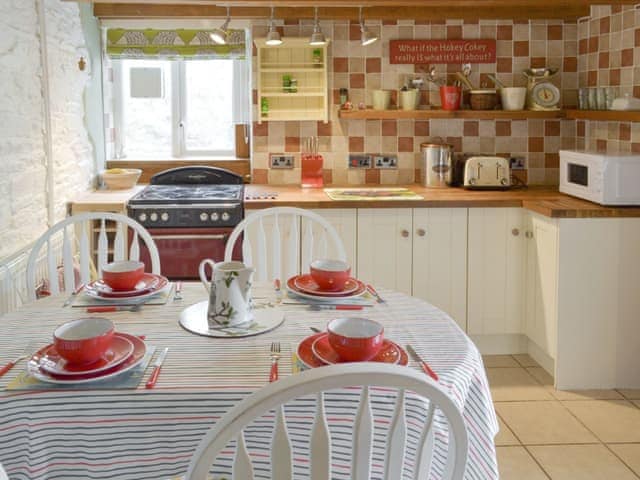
(442, 51)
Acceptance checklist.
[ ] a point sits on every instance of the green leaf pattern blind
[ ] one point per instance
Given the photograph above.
(168, 44)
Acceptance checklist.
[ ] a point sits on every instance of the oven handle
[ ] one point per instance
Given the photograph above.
(220, 236)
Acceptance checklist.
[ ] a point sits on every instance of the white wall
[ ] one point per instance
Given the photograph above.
(24, 126)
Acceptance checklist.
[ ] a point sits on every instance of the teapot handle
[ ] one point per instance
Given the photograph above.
(203, 275)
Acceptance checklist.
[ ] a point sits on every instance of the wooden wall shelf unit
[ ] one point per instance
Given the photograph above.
(437, 113)
(605, 115)
(297, 59)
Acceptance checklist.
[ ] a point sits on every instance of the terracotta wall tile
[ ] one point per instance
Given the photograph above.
(536, 144)
(292, 144)
(521, 49)
(356, 144)
(471, 128)
(389, 128)
(356, 80)
(552, 128)
(421, 128)
(503, 128)
(374, 65)
(259, 175)
(405, 144)
(554, 32)
(372, 176)
(504, 32)
(340, 64)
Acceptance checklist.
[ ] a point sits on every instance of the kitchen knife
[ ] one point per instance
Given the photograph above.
(424, 365)
(156, 368)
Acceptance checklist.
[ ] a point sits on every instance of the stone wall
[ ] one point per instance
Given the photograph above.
(23, 132)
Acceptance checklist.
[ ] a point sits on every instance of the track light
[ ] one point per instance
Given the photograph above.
(366, 37)
(220, 35)
(317, 37)
(273, 36)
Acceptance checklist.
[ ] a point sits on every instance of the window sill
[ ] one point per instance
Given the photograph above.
(150, 167)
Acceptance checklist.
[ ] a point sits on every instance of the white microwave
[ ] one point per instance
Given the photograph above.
(607, 179)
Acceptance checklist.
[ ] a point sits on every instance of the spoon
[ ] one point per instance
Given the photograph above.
(464, 80)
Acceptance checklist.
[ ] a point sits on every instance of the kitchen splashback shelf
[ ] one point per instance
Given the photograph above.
(298, 60)
(370, 114)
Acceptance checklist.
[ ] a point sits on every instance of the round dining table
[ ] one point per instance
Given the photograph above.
(124, 431)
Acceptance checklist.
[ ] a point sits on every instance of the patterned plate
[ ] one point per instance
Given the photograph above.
(307, 284)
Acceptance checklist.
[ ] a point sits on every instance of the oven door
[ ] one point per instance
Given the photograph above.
(182, 249)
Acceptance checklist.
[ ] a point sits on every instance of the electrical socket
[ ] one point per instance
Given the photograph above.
(359, 160)
(279, 160)
(517, 163)
(385, 161)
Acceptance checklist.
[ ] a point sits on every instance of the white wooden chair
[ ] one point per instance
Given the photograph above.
(297, 237)
(76, 232)
(320, 380)
(3, 474)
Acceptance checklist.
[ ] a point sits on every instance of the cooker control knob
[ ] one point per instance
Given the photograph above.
(214, 217)
(225, 216)
(204, 217)
(153, 217)
(472, 181)
(142, 217)
(164, 216)
(504, 181)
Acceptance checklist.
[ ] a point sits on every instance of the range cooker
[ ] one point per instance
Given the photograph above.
(190, 213)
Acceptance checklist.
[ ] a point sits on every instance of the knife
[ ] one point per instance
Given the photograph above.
(73, 295)
(424, 365)
(373, 292)
(156, 369)
(336, 307)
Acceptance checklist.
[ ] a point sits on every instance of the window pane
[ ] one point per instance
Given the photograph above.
(146, 111)
(208, 106)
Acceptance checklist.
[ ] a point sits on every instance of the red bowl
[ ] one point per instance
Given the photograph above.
(123, 275)
(355, 339)
(330, 275)
(84, 340)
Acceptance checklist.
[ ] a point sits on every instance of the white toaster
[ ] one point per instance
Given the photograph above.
(487, 173)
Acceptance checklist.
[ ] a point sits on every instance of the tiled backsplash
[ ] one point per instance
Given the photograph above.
(519, 45)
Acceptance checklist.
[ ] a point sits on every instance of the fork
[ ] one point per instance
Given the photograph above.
(275, 356)
(177, 295)
(27, 352)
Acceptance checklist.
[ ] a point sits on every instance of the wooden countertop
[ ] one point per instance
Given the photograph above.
(544, 200)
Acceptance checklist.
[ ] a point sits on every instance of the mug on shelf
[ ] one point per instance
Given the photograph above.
(381, 99)
(450, 97)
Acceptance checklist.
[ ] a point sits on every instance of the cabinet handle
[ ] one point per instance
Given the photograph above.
(515, 232)
(421, 232)
(529, 234)
(404, 233)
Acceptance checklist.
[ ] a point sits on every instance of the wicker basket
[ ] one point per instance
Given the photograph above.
(121, 178)
(483, 99)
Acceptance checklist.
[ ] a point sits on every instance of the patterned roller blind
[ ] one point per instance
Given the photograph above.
(181, 43)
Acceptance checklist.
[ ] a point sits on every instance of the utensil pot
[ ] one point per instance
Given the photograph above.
(437, 163)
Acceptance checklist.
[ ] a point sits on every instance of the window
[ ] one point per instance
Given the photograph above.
(177, 108)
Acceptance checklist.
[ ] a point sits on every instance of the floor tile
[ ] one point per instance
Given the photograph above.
(543, 423)
(629, 453)
(513, 384)
(632, 394)
(525, 360)
(586, 395)
(583, 462)
(515, 463)
(492, 361)
(610, 420)
(505, 436)
(541, 375)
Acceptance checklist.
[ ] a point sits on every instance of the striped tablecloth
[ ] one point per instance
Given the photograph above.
(151, 434)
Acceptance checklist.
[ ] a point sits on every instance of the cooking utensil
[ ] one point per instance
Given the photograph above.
(157, 366)
(467, 83)
(25, 354)
(374, 292)
(497, 82)
(424, 365)
(73, 295)
(275, 356)
(431, 76)
(177, 295)
(114, 308)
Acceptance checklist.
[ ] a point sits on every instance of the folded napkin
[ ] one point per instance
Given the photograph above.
(160, 298)
(127, 380)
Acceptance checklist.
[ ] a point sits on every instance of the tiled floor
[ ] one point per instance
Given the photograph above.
(561, 435)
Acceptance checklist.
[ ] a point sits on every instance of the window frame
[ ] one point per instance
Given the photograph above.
(178, 110)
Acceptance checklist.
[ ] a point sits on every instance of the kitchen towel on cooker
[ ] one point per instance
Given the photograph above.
(160, 298)
(128, 380)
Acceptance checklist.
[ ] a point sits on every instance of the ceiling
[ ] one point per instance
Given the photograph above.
(334, 9)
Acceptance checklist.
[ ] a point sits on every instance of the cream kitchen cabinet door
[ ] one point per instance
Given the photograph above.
(541, 298)
(384, 251)
(496, 271)
(344, 220)
(440, 259)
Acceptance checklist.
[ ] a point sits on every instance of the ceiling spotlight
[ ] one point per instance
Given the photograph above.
(317, 37)
(220, 35)
(366, 37)
(273, 36)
